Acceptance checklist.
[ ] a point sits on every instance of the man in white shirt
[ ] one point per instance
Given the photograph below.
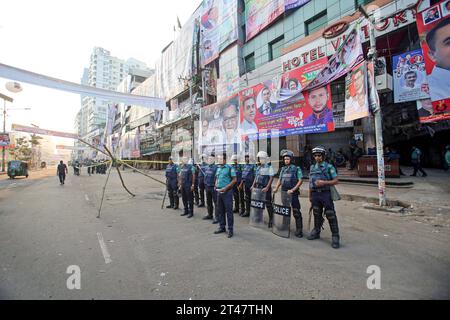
(248, 126)
(438, 39)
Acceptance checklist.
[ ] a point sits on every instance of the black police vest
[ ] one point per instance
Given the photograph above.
(238, 170)
(289, 177)
(248, 175)
(210, 175)
(171, 172)
(318, 172)
(186, 175)
(262, 179)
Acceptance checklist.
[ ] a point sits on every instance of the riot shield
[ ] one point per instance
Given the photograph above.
(257, 207)
(282, 214)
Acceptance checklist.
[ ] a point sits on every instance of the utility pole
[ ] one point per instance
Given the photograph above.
(5, 98)
(372, 55)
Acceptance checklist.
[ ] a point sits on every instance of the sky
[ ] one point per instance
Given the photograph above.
(56, 38)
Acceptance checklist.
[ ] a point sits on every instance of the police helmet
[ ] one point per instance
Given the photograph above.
(287, 153)
(234, 157)
(319, 149)
(262, 154)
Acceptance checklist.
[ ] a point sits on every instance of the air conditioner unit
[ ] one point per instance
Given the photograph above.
(383, 83)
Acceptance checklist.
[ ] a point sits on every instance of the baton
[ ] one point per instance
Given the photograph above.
(164, 199)
(309, 220)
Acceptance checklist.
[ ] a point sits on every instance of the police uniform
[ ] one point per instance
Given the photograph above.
(248, 177)
(211, 196)
(172, 184)
(201, 169)
(196, 183)
(263, 175)
(238, 195)
(224, 176)
(187, 176)
(290, 176)
(321, 200)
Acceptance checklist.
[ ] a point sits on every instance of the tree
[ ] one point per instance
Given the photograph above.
(35, 154)
(22, 150)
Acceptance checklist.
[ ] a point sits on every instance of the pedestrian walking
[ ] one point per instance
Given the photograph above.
(322, 177)
(225, 180)
(416, 161)
(61, 172)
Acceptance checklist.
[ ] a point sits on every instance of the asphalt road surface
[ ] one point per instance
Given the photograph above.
(138, 251)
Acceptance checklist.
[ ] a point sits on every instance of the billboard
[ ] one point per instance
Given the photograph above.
(427, 113)
(410, 79)
(218, 27)
(18, 127)
(261, 13)
(4, 139)
(433, 25)
(292, 4)
(356, 94)
(263, 116)
(219, 123)
(348, 55)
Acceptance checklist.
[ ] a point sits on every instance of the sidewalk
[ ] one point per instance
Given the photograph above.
(430, 192)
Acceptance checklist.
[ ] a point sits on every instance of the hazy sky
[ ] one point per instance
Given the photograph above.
(56, 38)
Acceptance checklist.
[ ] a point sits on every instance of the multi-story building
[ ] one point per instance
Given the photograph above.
(106, 72)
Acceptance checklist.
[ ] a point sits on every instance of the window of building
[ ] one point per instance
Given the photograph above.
(275, 48)
(316, 23)
(250, 62)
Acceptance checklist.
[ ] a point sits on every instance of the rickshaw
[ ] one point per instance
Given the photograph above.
(17, 168)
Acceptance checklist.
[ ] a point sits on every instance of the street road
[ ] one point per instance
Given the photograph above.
(138, 251)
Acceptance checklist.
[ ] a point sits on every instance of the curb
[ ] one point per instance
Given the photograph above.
(370, 200)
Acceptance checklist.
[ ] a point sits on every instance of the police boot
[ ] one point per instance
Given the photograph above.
(176, 203)
(171, 199)
(318, 221)
(332, 219)
(270, 210)
(298, 223)
(202, 201)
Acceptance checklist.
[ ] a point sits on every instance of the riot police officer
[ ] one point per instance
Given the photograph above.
(290, 182)
(225, 180)
(186, 184)
(248, 177)
(211, 196)
(238, 192)
(263, 180)
(201, 169)
(172, 171)
(323, 175)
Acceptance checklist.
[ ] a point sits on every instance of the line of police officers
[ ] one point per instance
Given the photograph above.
(224, 183)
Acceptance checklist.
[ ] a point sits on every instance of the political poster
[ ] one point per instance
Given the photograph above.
(293, 4)
(427, 113)
(348, 55)
(410, 79)
(262, 116)
(219, 123)
(356, 94)
(433, 24)
(218, 27)
(292, 82)
(4, 139)
(261, 13)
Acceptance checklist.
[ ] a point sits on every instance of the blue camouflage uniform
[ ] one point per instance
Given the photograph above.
(172, 184)
(238, 195)
(248, 177)
(211, 196)
(187, 176)
(290, 176)
(262, 178)
(321, 197)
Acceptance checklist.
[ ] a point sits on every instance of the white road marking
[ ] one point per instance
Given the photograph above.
(104, 249)
(86, 196)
